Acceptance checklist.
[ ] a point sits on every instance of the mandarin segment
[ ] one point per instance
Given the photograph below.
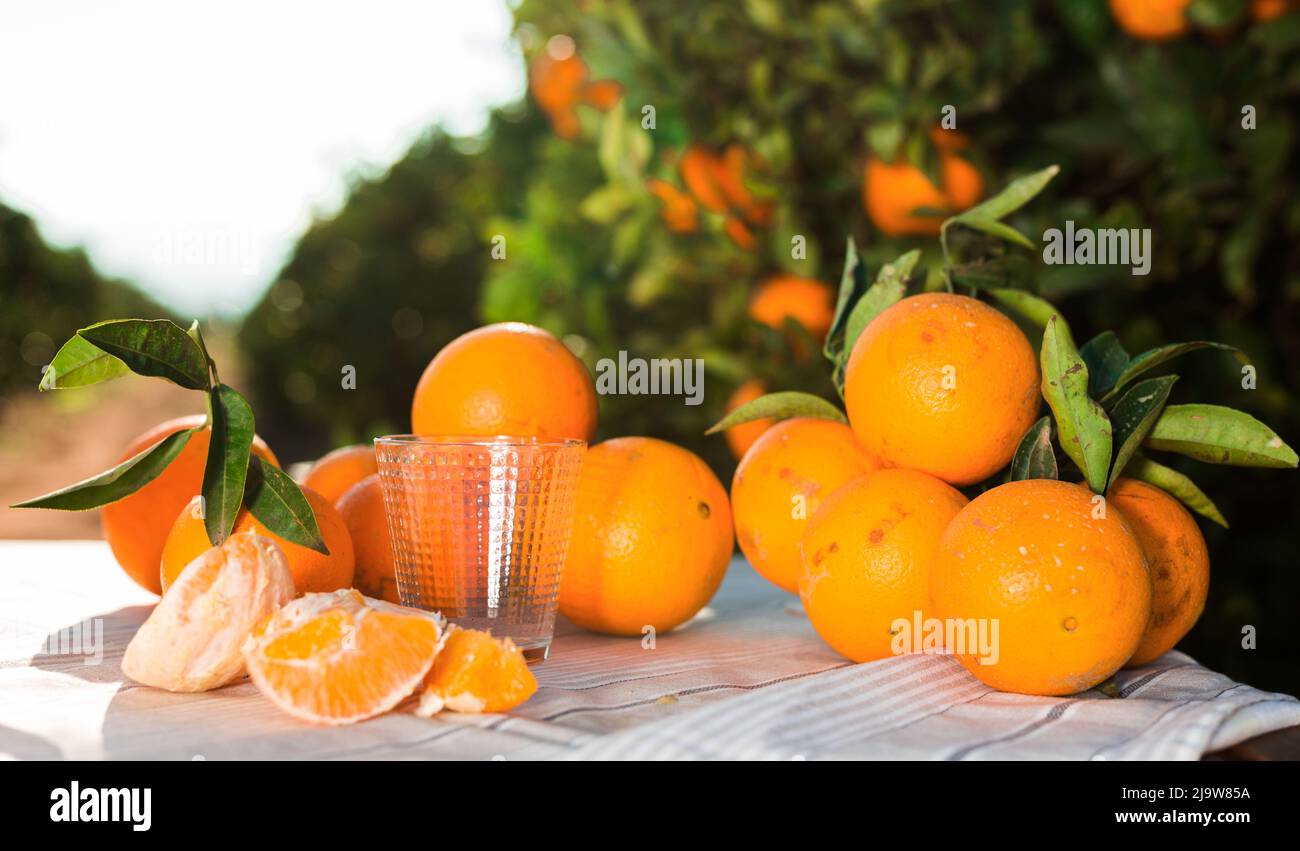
(1064, 581)
(136, 526)
(866, 558)
(192, 639)
(1177, 557)
(475, 672)
(944, 384)
(340, 658)
(781, 482)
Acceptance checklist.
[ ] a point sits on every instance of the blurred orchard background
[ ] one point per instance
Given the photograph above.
(323, 184)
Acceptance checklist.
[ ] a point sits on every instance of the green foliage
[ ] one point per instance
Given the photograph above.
(46, 294)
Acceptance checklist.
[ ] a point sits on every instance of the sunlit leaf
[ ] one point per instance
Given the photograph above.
(153, 347)
(227, 465)
(80, 363)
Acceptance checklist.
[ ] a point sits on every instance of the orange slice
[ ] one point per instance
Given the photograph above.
(192, 639)
(476, 673)
(339, 657)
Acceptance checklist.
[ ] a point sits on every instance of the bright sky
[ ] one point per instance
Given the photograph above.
(186, 145)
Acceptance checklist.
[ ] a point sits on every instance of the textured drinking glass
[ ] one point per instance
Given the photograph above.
(480, 528)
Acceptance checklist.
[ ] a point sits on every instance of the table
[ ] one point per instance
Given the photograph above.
(747, 679)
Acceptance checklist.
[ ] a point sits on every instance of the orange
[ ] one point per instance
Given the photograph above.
(893, 192)
(944, 384)
(1153, 20)
(559, 80)
(1063, 581)
(741, 437)
(340, 658)
(651, 538)
(1262, 11)
(311, 570)
(810, 303)
(362, 510)
(192, 638)
(475, 672)
(781, 482)
(136, 526)
(866, 562)
(339, 470)
(509, 378)
(1177, 556)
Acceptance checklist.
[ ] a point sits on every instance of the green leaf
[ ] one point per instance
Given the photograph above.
(1134, 415)
(1106, 360)
(889, 288)
(79, 363)
(1018, 193)
(196, 334)
(1152, 358)
(993, 227)
(1176, 484)
(227, 465)
(275, 500)
(1036, 310)
(1034, 458)
(121, 481)
(853, 282)
(1081, 423)
(1219, 435)
(780, 406)
(153, 347)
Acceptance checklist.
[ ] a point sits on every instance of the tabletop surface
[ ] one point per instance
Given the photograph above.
(748, 678)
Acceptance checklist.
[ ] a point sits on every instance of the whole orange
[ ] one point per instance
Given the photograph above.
(651, 538)
(893, 192)
(1055, 580)
(336, 471)
(509, 378)
(312, 571)
(136, 526)
(1153, 20)
(866, 561)
(1177, 557)
(944, 384)
(362, 510)
(741, 437)
(781, 482)
(810, 303)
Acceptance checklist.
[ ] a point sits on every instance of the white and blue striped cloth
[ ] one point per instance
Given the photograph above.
(748, 679)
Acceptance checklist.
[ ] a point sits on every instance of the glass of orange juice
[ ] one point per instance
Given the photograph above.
(480, 528)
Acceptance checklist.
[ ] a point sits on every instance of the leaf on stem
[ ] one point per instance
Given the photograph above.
(1081, 423)
(227, 465)
(1219, 435)
(779, 406)
(1176, 484)
(121, 481)
(153, 347)
(275, 500)
(1134, 415)
(1035, 458)
(80, 363)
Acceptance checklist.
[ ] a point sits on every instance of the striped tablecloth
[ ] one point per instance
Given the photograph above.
(748, 679)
